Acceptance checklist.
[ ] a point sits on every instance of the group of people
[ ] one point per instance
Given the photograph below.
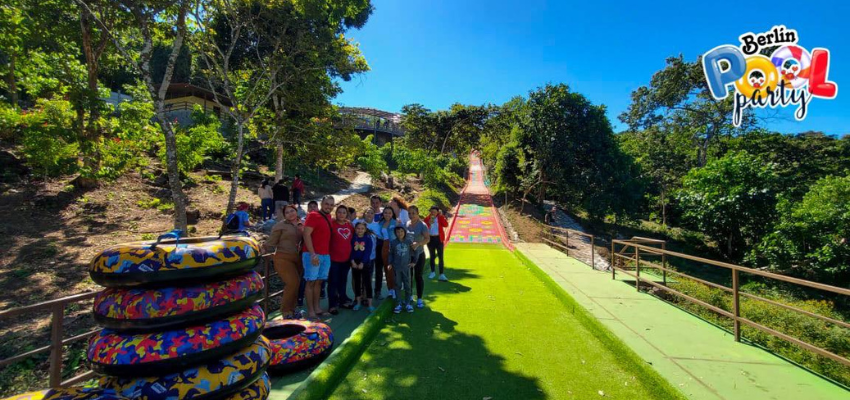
(386, 242)
(274, 197)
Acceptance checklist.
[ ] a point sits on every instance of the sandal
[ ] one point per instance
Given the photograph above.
(333, 311)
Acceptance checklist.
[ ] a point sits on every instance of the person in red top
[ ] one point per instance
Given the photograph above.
(317, 255)
(341, 233)
(437, 225)
(297, 191)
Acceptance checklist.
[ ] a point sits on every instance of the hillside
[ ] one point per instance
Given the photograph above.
(51, 230)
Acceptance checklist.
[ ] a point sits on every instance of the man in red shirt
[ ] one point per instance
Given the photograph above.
(316, 258)
(298, 190)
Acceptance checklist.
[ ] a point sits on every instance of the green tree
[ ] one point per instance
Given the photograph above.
(811, 239)
(455, 130)
(678, 96)
(663, 159)
(801, 159)
(370, 158)
(732, 200)
(157, 21)
(251, 49)
(569, 146)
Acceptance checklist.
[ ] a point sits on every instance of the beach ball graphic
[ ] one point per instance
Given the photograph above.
(793, 63)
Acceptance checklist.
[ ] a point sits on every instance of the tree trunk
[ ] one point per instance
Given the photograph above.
(663, 209)
(10, 78)
(177, 195)
(91, 133)
(158, 95)
(542, 189)
(729, 246)
(278, 167)
(237, 163)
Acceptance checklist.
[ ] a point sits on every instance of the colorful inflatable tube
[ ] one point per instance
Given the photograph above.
(174, 262)
(239, 375)
(71, 393)
(124, 354)
(259, 390)
(297, 344)
(170, 308)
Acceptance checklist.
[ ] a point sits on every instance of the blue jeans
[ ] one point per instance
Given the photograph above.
(267, 207)
(338, 283)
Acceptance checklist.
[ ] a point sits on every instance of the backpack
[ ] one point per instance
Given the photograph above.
(232, 222)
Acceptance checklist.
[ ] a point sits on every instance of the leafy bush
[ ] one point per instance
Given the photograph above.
(370, 158)
(810, 241)
(435, 169)
(10, 121)
(431, 197)
(150, 203)
(48, 138)
(731, 199)
(197, 142)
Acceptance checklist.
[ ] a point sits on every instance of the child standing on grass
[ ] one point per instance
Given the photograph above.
(373, 230)
(400, 259)
(361, 266)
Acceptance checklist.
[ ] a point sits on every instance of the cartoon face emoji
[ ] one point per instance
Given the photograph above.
(756, 79)
(790, 69)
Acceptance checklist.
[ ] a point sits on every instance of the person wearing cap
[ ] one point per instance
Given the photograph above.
(241, 216)
(437, 225)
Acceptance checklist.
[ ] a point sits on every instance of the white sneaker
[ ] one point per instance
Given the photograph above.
(432, 275)
(443, 278)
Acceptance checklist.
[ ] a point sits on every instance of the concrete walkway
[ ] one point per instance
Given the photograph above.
(703, 361)
(362, 183)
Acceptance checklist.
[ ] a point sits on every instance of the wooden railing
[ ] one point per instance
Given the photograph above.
(560, 238)
(57, 309)
(633, 254)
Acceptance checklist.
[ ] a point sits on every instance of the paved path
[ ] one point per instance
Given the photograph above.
(477, 220)
(703, 361)
(362, 183)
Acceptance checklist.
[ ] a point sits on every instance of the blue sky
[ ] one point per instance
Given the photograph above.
(439, 52)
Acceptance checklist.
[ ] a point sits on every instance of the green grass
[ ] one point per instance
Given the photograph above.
(322, 381)
(497, 331)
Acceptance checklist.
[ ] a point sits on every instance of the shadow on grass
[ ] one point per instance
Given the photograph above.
(423, 355)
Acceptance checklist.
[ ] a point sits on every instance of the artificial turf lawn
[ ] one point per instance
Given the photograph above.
(495, 331)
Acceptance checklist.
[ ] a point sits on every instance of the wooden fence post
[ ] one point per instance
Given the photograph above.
(56, 345)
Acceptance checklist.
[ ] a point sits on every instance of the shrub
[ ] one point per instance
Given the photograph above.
(810, 241)
(732, 200)
(10, 122)
(48, 138)
(432, 197)
(371, 158)
(197, 142)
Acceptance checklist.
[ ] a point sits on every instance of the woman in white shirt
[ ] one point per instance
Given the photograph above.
(266, 199)
(400, 207)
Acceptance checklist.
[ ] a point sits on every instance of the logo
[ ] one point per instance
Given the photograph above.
(790, 76)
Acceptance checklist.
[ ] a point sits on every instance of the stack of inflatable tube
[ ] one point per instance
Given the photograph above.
(180, 320)
(297, 344)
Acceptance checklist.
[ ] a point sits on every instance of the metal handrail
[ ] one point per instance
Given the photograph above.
(735, 290)
(57, 339)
